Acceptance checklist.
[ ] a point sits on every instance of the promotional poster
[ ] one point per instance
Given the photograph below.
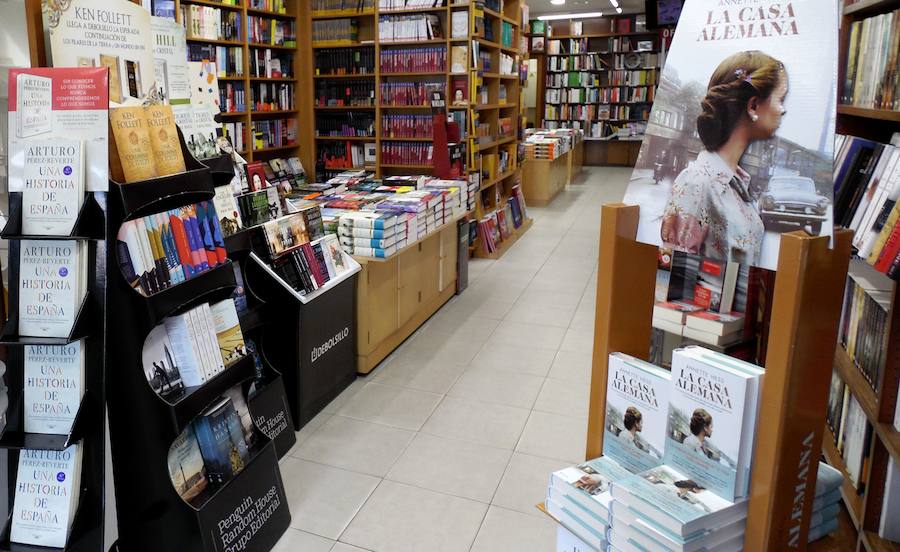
(740, 141)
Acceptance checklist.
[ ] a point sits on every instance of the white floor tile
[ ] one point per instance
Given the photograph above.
(578, 340)
(517, 333)
(403, 518)
(323, 499)
(509, 531)
(451, 466)
(521, 358)
(548, 315)
(342, 547)
(554, 436)
(356, 445)
(393, 406)
(478, 422)
(294, 540)
(435, 376)
(497, 387)
(564, 397)
(524, 483)
(572, 367)
(345, 396)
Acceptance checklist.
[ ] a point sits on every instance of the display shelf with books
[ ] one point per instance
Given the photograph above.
(184, 371)
(781, 505)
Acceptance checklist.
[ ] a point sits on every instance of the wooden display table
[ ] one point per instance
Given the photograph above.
(394, 296)
(576, 161)
(620, 153)
(542, 179)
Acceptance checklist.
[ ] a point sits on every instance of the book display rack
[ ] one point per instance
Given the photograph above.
(88, 428)
(599, 75)
(878, 399)
(805, 314)
(152, 515)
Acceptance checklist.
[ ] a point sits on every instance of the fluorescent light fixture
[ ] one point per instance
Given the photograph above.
(618, 10)
(615, 3)
(569, 16)
(557, 2)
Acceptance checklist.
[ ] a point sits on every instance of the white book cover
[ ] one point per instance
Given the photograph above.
(159, 362)
(890, 507)
(593, 534)
(77, 110)
(170, 54)
(46, 496)
(34, 105)
(186, 467)
(229, 338)
(186, 358)
(54, 186)
(209, 327)
(706, 413)
(649, 534)
(755, 86)
(637, 409)
(587, 484)
(227, 210)
(49, 294)
(54, 386)
(198, 343)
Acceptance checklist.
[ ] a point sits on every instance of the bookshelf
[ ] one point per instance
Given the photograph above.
(599, 75)
(878, 407)
(285, 12)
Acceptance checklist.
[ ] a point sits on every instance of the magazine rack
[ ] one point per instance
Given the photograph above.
(152, 516)
(88, 429)
(806, 307)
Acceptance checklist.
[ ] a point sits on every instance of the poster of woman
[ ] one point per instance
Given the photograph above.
(740, 141)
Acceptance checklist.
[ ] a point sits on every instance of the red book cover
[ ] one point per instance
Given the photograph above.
(256, 176)
(182, 245)
(889, 251)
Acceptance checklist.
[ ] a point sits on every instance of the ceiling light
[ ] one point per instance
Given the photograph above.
(569, 16)
(557, 2)
(618, 10)
(615, 3)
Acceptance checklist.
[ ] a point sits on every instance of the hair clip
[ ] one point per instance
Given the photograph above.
(743, 75)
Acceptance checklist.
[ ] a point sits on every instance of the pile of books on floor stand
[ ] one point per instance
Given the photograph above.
(666, 480)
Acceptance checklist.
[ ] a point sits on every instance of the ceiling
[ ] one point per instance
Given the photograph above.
(541, 7)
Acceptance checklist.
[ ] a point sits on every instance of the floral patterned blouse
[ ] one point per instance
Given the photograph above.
(710, 212)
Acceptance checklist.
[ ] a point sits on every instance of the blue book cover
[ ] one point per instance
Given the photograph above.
(215, 435)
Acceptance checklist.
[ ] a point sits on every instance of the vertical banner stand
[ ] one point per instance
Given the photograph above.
(807, 305)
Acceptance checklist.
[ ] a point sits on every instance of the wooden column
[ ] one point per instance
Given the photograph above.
(625, 289)
(805, 313)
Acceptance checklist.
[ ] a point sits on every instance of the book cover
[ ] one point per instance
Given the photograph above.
(133, 148)
(236, 394)
(228, 331)
(710, 282)
(637, 409)
(240, 294)
(186, 467)
(705, 427)
(75, 110)
(786, 57)
(221, 455)
(587, 484)
(167, 156)
(285, 234)
(46, 496)
(159, 363)
(185, 356)
(125, 44)
(50, 291)
(53, 387)
(334, 255)
(170, 53)
(227, 210)
(54, 186)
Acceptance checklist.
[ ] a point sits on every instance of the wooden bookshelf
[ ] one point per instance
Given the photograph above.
(296, 10)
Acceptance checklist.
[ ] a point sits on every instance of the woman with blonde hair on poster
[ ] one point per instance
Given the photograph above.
(711, 211)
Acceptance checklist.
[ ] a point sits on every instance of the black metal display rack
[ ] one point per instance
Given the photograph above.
(252, 508)
(88, 428)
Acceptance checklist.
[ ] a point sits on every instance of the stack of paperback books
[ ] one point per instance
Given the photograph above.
(191, 348)
(371, 233)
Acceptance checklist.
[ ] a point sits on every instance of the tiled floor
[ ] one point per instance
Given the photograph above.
(448, 444)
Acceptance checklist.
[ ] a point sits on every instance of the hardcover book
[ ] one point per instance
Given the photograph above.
(167, 156)
(645, 532)
(227, 210)
(52, 284)
(46, 496)
(159, 363)
(236, 394)
(186, 467)
(637, 409)
(53, 387)
(131, 150)
(54, 186)
(594, 534)
(586, 485)
(184, 354)
(221, 442)
(712, 420)
(228, 331)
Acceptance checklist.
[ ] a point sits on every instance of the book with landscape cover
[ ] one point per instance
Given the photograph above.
(159, 363)
(224, 453)
(286, 234)
(637, 408)
(228, 331)
(185, 355)
(54, 186)
(186, 467)
(54, 386)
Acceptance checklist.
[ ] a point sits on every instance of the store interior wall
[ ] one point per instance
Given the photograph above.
(531, 93)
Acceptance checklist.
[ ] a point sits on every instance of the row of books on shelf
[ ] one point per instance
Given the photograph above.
(406, 126)
(277, 6)
(598, 112)
(232, 97)
(406, 153)
(235, 132)
(208, 23)
(500, 224)
(272, 96)
(346, 29)
(870, 77)
(863, 329)
(851, 431)
(349, 123)
(431, 59)
(346, 155)
(229, 60)
(576, 62)
(644, 60)
(271, 64)
(400, 94)
(274, 133)
(345, 61)
(866, 187)
(619, 94)
(271, 31)
(639, 77)
(344, 93)
(405, 28)
(387, 5)
(342, 5)
(306, 266)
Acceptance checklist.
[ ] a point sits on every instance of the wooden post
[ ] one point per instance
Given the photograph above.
(806, 307)
(625, 282)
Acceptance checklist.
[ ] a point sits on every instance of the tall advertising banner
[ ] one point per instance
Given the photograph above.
(740, 142)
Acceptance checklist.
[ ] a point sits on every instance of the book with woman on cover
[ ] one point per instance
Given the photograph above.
(739, 144)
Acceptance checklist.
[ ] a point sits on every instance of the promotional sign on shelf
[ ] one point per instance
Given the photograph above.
(740, 141)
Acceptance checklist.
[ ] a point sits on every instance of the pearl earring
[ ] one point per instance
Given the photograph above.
(754, 117)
